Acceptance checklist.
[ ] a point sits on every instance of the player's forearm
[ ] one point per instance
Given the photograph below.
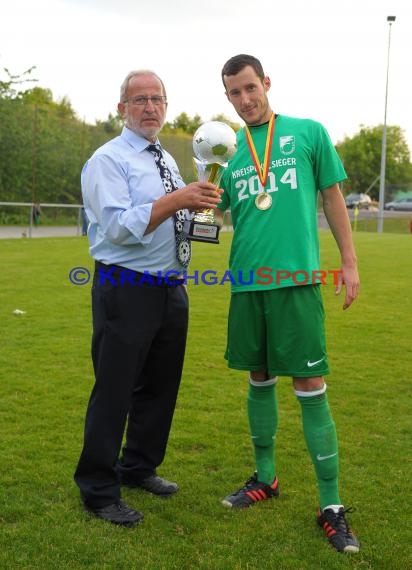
(338, 220)
(195, 196)
(163, 208)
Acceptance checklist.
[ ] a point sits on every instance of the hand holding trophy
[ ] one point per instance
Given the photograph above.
(214, 143)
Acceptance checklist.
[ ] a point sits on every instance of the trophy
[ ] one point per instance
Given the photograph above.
(214, 143)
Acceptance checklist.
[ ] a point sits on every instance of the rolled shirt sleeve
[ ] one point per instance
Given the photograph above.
(106, 190)
(120, 183)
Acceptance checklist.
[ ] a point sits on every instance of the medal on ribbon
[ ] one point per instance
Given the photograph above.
(263, 200)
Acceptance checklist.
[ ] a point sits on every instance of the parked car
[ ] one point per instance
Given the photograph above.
(360, 200)
(402, 204)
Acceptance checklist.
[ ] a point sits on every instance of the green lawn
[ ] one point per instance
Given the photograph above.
(46, 378)
(399, 224)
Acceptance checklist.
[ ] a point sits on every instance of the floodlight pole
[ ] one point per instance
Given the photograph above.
(390, 19)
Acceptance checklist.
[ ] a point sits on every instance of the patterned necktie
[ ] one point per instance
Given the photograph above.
(183, 245)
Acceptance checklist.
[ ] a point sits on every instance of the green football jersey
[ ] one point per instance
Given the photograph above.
(278, 247)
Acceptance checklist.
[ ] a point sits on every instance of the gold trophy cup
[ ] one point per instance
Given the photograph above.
(214, 143)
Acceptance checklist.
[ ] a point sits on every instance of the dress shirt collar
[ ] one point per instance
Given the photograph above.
(137, 142)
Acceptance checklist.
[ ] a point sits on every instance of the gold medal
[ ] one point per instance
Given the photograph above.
(263, 201)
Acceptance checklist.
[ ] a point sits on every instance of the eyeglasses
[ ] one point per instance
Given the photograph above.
(143, 100)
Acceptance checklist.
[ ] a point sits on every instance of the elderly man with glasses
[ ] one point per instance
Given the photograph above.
(135, 200)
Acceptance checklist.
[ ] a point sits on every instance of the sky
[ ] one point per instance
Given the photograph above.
(327, 59)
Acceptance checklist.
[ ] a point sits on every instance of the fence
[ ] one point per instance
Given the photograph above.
(34, 211)
(365, 220)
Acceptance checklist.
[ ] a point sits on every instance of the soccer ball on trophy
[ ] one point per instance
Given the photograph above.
(214, 142)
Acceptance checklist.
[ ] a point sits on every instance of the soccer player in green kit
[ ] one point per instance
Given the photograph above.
(276, 324)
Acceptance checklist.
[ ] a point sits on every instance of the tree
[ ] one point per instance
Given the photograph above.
(8, 87)
(43, 147)
(361, 156)
(112, 125)
(185, 124)
(43, 144)
(223, 119)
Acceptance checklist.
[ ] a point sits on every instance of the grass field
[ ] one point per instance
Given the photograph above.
(397, 225)
(46, 378)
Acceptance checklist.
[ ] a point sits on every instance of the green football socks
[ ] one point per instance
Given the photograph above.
(263, 421)
(320, 435)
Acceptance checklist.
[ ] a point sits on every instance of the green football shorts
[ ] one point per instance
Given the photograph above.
(280, 331)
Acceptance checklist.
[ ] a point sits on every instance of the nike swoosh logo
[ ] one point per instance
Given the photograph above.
(310, 364)
(320, 457)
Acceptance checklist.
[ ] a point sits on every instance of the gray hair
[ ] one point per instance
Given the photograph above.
(125, 85)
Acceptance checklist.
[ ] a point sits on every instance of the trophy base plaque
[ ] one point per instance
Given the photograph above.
(201, 231)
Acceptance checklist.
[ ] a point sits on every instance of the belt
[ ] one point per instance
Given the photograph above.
(119, 275)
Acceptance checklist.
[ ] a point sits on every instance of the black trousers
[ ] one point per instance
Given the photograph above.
(138, 346)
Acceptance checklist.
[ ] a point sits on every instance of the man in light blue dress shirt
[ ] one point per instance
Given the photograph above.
(140, 315)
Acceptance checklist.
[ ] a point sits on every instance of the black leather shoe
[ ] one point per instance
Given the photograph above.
(118, 513)
(156, 485)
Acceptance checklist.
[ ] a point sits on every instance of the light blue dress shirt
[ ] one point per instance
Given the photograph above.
(120, 182)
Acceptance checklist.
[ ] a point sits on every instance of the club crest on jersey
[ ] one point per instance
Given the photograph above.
(287, 144)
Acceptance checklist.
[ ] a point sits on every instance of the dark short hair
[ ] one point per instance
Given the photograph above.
(238, 62)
